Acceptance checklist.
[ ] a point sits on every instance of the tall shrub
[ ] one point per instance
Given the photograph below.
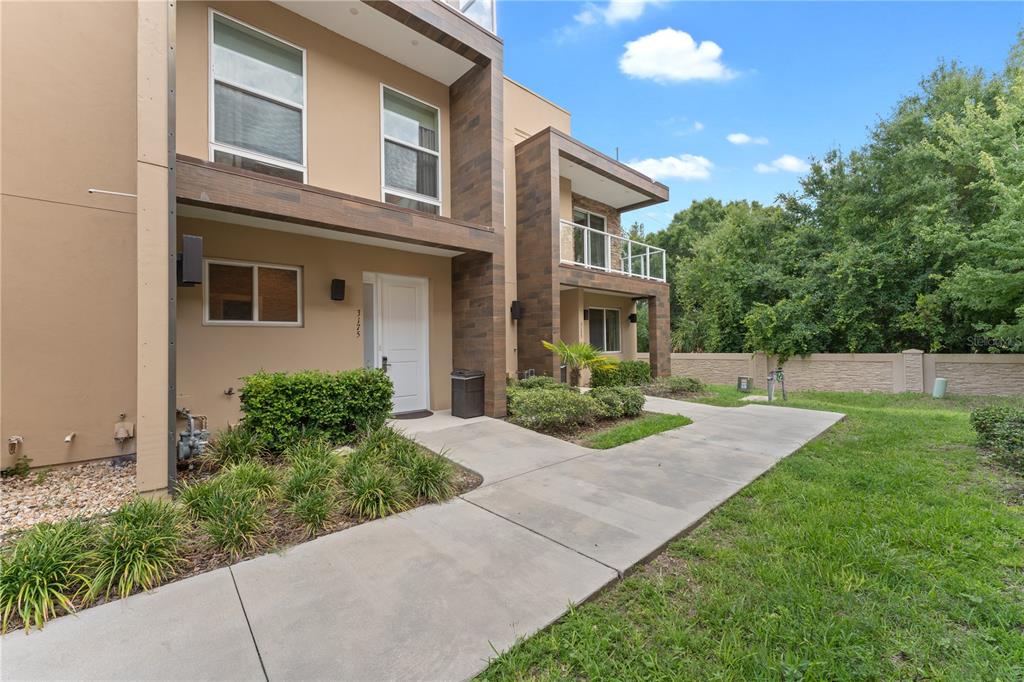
(338, 406)
(625, 373)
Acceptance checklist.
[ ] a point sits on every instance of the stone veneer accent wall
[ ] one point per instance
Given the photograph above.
(478, 279)
(612, 215)
(537, 246)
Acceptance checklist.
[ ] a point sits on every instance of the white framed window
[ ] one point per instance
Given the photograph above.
(605, 333)
(243, 293)
(592, 250)
(257, 100)
(410, 151)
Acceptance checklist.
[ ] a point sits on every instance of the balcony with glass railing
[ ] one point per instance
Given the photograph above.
(591, 248)
(481, 12)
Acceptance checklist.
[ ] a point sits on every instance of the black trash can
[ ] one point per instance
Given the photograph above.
(467, 393)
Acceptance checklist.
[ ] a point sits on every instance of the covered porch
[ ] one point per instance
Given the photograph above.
(296, 277)
(580, 275)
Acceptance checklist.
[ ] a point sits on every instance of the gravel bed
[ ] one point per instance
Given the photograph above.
(78, 491)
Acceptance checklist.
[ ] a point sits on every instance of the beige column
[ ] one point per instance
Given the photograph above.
(659, 334)
(155, 247)
(628, 330)
(913, 370)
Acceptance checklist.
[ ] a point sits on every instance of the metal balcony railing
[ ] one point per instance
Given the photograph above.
(480, 11)
(582, 245)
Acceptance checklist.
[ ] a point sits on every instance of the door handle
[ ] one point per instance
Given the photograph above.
(384, 363)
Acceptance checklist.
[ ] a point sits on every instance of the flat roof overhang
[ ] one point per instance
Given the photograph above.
(425, 35)
(577, 276)
(601, 177)
(206, 189)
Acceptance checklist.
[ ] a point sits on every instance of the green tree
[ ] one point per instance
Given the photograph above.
(915, 239)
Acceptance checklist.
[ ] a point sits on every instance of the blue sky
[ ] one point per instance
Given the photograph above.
(668, 82)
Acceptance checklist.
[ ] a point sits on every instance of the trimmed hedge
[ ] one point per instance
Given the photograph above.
(541, 381)
(619, 401)
(552, 409)
(1001, 430)
(625, 373)
(339, 406)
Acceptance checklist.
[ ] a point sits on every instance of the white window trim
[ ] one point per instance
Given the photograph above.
(256, 322)
(604, 329)
(246, 153)
(384, 189)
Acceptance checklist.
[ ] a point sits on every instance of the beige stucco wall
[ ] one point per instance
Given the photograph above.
(975, 374)
(972, 374)
(526, 114)
(627, 331)
(212, 359)
(67, 258)
(344, 78)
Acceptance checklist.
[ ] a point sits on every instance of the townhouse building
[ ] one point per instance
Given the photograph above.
(194, 191)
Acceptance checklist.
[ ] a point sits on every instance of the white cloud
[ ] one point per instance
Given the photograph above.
(668, 56)
(743, 138)
(615, 12)
(786, 162)
(623, 10)
(587, 17)
(697, 126)
(682, 167)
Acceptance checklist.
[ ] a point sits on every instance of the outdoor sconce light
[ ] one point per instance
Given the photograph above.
(337, 290)
(586, 313)
(190, 261)
(632, 318)
(517, 310)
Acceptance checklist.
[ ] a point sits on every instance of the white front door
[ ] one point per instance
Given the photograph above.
(402, 334)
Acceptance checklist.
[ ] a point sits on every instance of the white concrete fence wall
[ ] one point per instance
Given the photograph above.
(911, 370)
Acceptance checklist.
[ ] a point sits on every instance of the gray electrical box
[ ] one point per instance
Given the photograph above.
(467, 393)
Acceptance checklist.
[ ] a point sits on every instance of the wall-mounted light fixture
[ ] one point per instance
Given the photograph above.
(517, 310)
(586, 313)
(337, 290)
(190, 261)
(632, 318)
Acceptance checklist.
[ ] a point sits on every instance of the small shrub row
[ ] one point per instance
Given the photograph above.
(1000, 430)
(619, 401)
(53, 566)
(56, 567)
(339, 406)
(624, 373)
(675, 387)
(540, 381)
(552, 409)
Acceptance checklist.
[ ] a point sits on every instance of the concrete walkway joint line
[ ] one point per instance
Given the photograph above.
(248, 625)
(432, 593)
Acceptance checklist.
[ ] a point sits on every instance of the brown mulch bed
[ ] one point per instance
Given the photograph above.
(580, 434)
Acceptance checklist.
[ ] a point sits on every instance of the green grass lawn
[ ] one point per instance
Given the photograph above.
(646, 425)
(883, 550)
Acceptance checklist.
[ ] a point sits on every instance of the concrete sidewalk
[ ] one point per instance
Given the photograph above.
(432, 593)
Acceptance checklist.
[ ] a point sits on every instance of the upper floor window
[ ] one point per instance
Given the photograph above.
(257, 100)
(411, 156)
(592, 246)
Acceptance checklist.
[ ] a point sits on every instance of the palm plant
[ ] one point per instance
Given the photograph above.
(577, 357)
